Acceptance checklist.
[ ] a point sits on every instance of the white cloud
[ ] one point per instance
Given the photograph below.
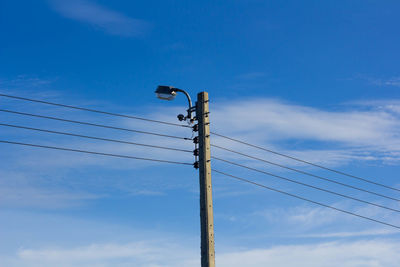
(357, 134)
(378, 232)
(347, 254)
(140, 250)
(160, 253)
(392, 105)
(370, 253)
(28, 189)
(110, 21)
(300, 219)
(274, 120)
(318, 222)
(33, 238)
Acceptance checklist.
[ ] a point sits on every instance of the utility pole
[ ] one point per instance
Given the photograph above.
(206, 205)
(203, 164)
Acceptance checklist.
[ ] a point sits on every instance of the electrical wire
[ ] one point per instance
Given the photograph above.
(306, 162)
(304, 184)
(93, 124)
(94, 137)
(92, 110)
(93, 152)
(306, 173)
(305, 199)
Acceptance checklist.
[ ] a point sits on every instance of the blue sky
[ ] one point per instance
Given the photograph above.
(318, 80)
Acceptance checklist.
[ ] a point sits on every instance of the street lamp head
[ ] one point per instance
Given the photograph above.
(166, 92)
(169, 93)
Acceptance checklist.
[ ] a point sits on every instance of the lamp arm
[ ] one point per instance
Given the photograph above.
(189, 100)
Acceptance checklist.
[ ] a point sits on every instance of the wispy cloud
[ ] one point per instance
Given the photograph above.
(394, 81)
(301, 219)
(306, 221)
(120, 245)
(276, 120)
(365, 233)
(251, 75)
(110, 21)
(19, 189)
(24, 82)
(111, 254)
(348, 254)
(351, 134)
(64, 240)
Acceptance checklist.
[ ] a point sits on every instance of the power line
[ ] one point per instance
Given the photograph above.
(94, 137)
(305, 199)
(306, 162)
(304, 184)
(93, 152)
(93, 110)
(93, 124)
(306, 173)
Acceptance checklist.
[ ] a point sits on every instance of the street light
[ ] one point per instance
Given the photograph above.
(203, 165)
(169, 93)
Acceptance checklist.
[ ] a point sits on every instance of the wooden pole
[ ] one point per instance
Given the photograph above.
(206, 205)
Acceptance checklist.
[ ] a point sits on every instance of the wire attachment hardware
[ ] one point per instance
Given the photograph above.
(196, 165)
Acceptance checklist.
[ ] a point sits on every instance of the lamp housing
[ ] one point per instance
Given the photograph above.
(166, 92)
